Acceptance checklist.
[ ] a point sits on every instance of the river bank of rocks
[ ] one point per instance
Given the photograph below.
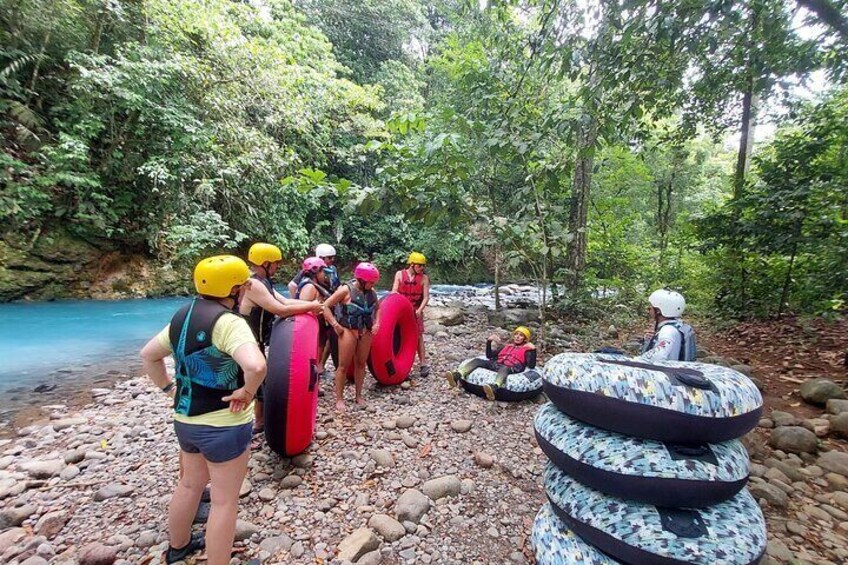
(422, 474)
(799, 473)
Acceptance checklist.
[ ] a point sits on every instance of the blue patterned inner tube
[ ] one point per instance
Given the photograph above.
(554, 544)
(518, 386)
(672, 401)
(643, 470)
(731, 533)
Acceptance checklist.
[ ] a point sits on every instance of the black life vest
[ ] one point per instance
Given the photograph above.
(307, 281)
(259, 319)
(204, 374)
(359, 312)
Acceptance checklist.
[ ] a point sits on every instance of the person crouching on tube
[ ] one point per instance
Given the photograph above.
(514, 357)
(219, 368)
(353, 312)
(414, 284)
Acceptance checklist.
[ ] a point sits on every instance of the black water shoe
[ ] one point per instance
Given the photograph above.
(198, 541)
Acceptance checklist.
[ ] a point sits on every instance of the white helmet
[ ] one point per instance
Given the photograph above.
(670, 304)
(325, 250)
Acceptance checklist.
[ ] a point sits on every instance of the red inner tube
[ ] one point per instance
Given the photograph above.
(394, 347)
(291, 384)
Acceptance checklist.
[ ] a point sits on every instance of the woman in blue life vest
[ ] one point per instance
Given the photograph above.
(353, 311)
(671, 338)
(414, 284)
(313, 288)
(326, 253)
(514, 357)
(261, 304)
(218, 369)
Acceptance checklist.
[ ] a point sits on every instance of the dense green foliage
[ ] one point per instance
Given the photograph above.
(577, 145)
(172, 125)
(792, 223)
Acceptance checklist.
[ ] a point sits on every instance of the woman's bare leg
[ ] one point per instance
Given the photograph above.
(194, 477)
(347, 348)
(221, 527)
(422, 355)
(363, 349)
(325, 354)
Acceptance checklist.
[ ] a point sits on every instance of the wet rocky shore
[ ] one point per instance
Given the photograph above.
(422, 474)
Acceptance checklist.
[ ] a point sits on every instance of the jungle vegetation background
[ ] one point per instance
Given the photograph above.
(597, 148)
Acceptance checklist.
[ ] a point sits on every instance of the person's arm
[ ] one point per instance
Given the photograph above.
(153, 362)
(664, 349)
(284, 308)
(292, 288)
(376, 325)
(530, 358)
(396, 282)
(330, 303)
(491, 352)
(425, 283)
(252, 362)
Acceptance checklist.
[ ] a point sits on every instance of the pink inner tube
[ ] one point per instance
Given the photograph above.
(291, 384)
(393, 348)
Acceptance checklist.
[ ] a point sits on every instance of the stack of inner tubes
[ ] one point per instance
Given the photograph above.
(645, 465)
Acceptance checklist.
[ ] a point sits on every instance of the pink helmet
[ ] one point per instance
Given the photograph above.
(313, 264)
(366, 272)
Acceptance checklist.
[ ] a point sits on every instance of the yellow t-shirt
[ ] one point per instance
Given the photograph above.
(230, 333)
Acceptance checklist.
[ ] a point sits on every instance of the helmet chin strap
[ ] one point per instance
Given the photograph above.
(266, 267)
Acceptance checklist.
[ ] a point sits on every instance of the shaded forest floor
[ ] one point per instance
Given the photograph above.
(783, 354)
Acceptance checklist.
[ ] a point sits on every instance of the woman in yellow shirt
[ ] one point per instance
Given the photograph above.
(219, 367)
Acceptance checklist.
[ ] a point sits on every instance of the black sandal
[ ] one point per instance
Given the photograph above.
(197, 541)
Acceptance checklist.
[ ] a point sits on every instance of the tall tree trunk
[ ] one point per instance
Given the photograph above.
(494, 202)
(497, 277)
(784, 293)
(94, 41)
(541, 217)
(665, 191)
(575, 254)
(743, 159)
(34, 78)
(746, 139)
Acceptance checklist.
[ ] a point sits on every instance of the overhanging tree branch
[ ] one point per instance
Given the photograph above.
(828, 14)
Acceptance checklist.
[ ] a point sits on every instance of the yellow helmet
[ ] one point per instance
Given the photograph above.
(264, 252)
(416, 258)
(216, 276)
(523, 330)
